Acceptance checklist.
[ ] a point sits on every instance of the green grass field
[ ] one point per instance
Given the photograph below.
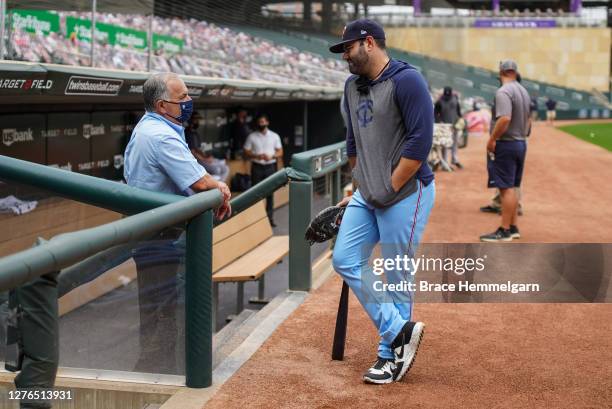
(599, 134)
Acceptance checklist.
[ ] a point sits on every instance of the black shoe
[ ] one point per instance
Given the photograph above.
(405, 347)
(500, 234)
(514, 232)
(458, 165)
(490, 209)
(272, 223)
(381, 372)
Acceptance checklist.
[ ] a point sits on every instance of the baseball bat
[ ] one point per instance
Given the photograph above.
(341, 321)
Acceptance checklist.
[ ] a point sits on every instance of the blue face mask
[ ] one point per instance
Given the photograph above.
(186, 110)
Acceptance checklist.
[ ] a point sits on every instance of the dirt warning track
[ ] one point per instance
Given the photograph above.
(472, 356)
(567, 193)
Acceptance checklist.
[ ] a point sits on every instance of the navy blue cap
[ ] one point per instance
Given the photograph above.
(358, 30)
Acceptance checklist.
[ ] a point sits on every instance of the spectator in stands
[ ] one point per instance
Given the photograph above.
(551, 113)
(507, 148)
(157, 158)
(217, 168)
(448, 111)
(238, 132)
(263, 147)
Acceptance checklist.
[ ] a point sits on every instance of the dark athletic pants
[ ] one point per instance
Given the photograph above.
(259, 173)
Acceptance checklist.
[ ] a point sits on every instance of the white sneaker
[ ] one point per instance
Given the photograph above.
(405, 347)
(381, 372)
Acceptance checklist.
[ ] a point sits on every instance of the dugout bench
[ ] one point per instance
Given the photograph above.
(244, 248)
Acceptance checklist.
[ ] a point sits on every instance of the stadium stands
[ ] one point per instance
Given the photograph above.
(208, 50)
(472, 84)
(239, 52)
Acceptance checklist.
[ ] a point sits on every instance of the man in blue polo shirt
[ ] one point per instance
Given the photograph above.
(157, 158)
(389, 115)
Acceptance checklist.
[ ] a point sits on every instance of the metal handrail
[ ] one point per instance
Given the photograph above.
(103, 193)
(260, 191)
(66, 249)
(320, 161)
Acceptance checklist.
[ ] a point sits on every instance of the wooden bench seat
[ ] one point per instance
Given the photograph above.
(253, 264)
(244, 248)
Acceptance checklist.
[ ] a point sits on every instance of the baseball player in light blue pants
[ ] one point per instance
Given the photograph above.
(399, 229)
(388, 114)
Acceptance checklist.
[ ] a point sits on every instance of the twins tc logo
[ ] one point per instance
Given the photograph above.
(365, 112)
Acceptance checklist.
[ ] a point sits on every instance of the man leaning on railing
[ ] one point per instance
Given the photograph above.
(157, 158)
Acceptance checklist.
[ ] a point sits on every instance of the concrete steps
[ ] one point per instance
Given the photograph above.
(230, 336)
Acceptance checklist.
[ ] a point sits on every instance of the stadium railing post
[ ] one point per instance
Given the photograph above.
(300, 204)
(199, 302)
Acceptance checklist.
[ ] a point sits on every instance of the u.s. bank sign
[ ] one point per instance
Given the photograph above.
(12, 135)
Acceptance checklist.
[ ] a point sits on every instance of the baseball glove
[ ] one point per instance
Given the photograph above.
(325, 225)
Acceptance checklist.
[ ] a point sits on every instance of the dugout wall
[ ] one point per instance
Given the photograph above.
(81, 118)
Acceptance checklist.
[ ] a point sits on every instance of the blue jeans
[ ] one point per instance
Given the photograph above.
(399, 229)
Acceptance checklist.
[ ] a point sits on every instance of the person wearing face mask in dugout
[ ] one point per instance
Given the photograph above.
(158, 159)
(264, 148)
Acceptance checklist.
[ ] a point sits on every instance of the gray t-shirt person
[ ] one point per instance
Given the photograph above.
(512, 100)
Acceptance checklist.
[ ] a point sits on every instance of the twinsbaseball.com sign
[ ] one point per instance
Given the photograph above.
(78, 85)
